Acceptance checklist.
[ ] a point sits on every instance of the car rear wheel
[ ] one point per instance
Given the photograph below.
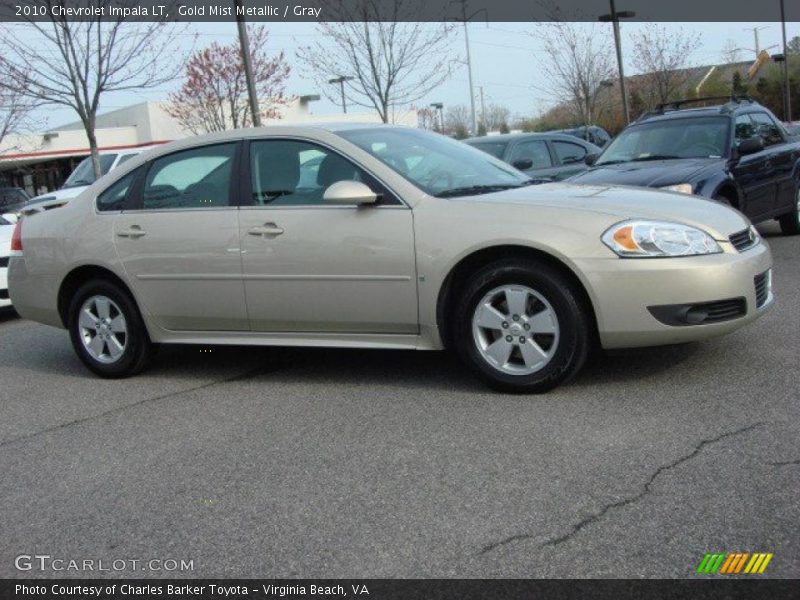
(790, 222)
(521, 326)
(107, 331)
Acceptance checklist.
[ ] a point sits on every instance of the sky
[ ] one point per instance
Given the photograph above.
(504, 57)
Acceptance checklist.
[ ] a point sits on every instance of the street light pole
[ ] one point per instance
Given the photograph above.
(439, 107)
(340, 80)
(244, 43)
(614, 17)
(465, 20)
(787, 95)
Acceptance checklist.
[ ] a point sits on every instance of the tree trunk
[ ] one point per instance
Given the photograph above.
(89, 125)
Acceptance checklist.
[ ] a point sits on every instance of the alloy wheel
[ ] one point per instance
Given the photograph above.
(103, 329)
(515, 329)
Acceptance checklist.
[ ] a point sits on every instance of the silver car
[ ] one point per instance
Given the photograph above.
(380, 237)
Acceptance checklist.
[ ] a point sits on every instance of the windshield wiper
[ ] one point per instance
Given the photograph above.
(654, 157)
(480, 189)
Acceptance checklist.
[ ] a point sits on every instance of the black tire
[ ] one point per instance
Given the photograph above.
(137, 348)
(790, 222)
(574, 321)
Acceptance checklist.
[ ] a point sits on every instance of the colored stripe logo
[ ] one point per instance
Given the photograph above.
(734, 563)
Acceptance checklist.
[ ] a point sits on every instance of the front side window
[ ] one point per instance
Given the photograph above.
(767, 128)
(196, 178)
(113, 197)
(568, 152)
(435, 164)
(297, 173)
(743, 128)
(535, 151)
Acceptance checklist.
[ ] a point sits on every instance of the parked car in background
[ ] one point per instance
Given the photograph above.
(737, 153)
(542, 156)
(593, 134)
(374, 236)
(7, 223)
(12, 199)
(81, 178)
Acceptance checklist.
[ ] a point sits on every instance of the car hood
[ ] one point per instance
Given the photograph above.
(62, 194)
(657, 173)
(6, 231)
(625, 203)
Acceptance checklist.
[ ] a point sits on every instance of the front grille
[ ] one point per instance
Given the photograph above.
(762, 288)
(742, 240)
(4, 261)
(3, 294)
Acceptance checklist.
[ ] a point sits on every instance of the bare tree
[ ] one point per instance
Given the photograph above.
(428, 118)
(214, 96)
(15, 113)
(578, 59)
(392, 63)
(71, 63)
(496, 117)
(662, 56)
(731, 53)
(457, 121)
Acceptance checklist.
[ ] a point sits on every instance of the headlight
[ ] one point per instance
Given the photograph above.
(645, 239)
(683, 188)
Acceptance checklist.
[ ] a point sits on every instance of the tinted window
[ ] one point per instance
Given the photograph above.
(496, 149)
(568, 152)
(113, 198)
(195, 178)
(767, 128)
(84, 172)
(534, 150)
(289, 172)
(743, 128)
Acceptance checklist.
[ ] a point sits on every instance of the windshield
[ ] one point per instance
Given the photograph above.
(436, 164)
(84, 172)
(694, 137)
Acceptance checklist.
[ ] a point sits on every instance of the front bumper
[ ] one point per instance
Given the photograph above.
(623, 289)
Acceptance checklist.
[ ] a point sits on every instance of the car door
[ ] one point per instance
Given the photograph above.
(781, 158)
(570, 157)
(178, 240)
(309, 266)
(533, 157)
(753, 172)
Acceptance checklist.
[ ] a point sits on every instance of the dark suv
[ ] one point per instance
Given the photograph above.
(737, 153)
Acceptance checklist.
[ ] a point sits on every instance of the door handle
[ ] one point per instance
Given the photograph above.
(134, 232)
(266, 229)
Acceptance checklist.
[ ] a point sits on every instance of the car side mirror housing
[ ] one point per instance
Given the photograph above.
(590, 159)
(10, 217)
(522, 164)
(349, 192)
(750, 145)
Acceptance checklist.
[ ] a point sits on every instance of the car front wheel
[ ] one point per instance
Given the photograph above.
(790, 222)
(107, 331)
(522, 327)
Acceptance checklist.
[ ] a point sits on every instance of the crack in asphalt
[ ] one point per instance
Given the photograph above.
(784, 463)
(625, 501)
(239, 377)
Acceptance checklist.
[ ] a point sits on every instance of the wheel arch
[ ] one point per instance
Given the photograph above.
(77, 277)
(460, 272)
(728, 189)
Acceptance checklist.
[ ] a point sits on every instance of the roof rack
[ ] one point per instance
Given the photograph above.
(660, 109)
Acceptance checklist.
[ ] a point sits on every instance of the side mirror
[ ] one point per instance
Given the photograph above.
(750, 145)
(522, 164)
(590, 159)
(349, 192)
(10, 217)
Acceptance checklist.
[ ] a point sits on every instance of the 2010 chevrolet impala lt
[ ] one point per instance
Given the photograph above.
(379, 237)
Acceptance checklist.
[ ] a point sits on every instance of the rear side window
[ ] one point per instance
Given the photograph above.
(568, 152)
(196, 178)
(113, 198)
(535, 150)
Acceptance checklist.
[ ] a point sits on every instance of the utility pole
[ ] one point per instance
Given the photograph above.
(465, 20)
(483, 108)
(787, 96)
(244, 43)
(340, 80)
(614, 18)
(755, 31)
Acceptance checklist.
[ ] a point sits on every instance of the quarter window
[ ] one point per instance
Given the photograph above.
(113, 198)
(196, 178)
(297, 173)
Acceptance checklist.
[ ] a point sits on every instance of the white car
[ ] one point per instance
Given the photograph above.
(6, 230)
(81, 178)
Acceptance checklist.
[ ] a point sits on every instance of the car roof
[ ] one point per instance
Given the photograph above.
(509, 137)
(733, 108)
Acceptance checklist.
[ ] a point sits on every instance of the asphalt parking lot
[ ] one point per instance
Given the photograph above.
(311, 463)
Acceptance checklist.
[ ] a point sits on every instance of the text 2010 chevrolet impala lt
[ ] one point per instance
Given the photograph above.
(379, 237)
